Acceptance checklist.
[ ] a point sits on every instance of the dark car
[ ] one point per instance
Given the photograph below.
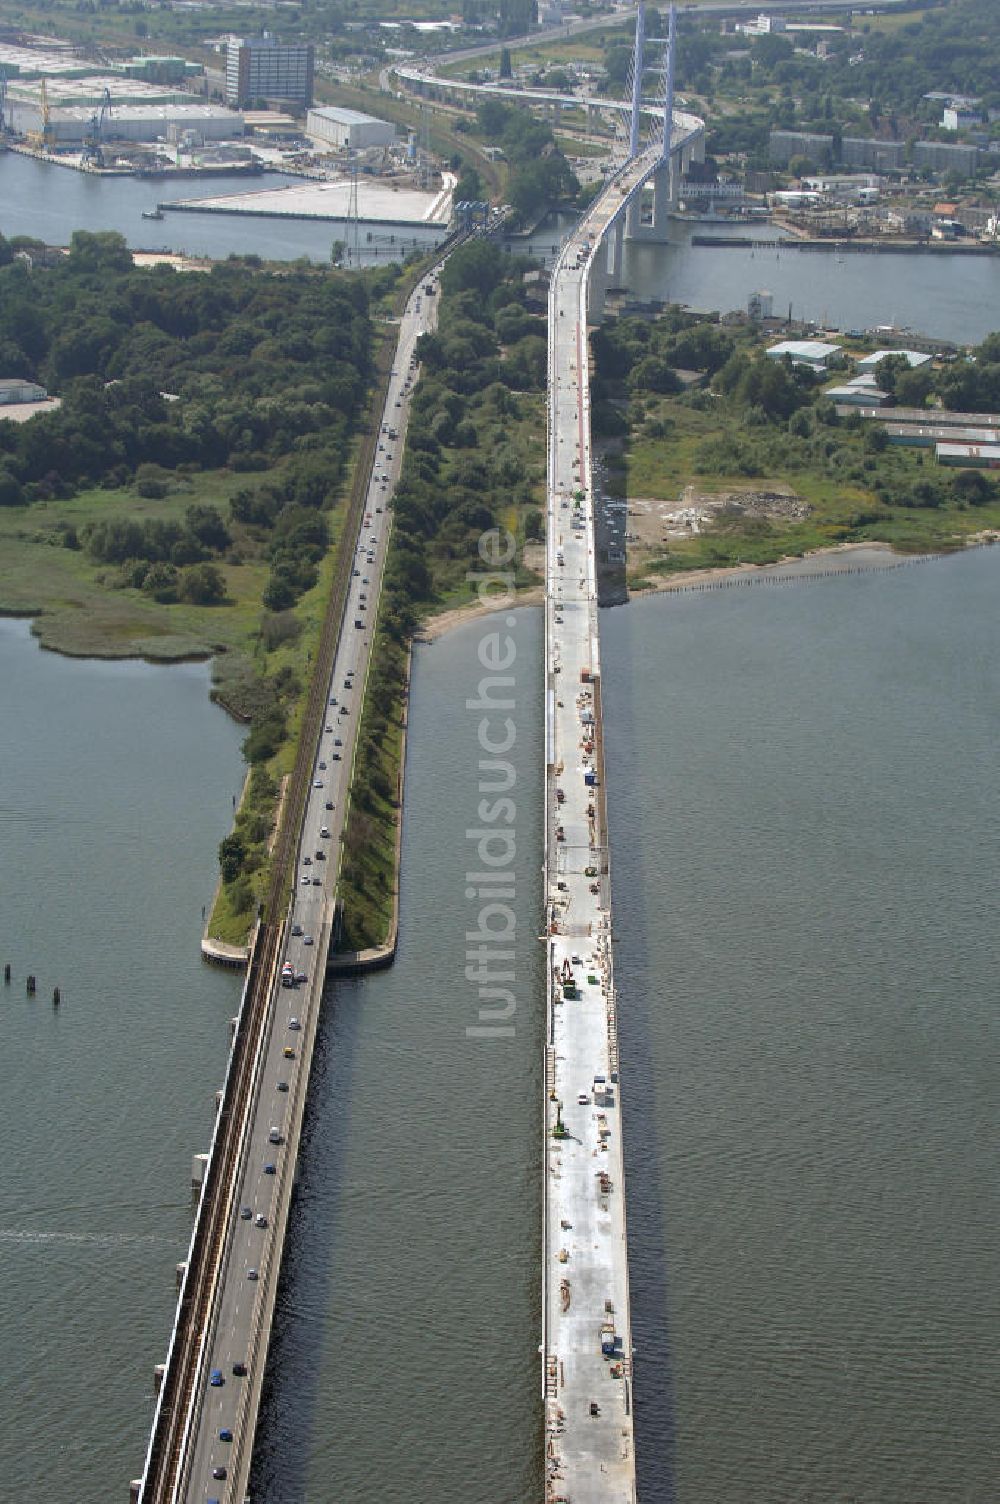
(269, 1169)
(240, 1370)
(245, 1213)
(225, 1434)
(218, 1472)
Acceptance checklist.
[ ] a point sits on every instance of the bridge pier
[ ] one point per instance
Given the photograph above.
(605, 269)
(657, 228)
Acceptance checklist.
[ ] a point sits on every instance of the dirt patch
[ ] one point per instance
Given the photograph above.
(533, 558)
(651, 523)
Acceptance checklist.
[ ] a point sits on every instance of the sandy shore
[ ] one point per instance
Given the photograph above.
(839, 558)
(436, 626)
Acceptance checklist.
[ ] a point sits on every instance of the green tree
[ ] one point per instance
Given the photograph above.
(202, 585)
(232, 855)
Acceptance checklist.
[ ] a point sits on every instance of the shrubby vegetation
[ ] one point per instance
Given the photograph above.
(172, 386)
(472, 455)
(750, 419)
(540, 176)
(164, 375)
(474, 460)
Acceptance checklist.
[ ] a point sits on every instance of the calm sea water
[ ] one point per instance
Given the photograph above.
(115, 789)
(937, 295)
(50, 202)
(803, 812)
(802, 786)
(953, 297)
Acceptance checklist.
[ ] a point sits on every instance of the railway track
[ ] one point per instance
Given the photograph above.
(208, 1244)
(167, 1448)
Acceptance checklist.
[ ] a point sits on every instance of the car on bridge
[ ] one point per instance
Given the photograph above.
(216, 1379)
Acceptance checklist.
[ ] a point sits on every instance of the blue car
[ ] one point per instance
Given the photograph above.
(216, 1380)
(225, 1434)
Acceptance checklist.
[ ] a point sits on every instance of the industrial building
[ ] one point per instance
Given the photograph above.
(784, 145)
(861, 392)
(63, 113)
(38, 62)
(878, 156)
(944, 418)
(914, 358)
(18, 389)
(348, 128)
(936, 156)
(261, 68)
(157, 69)
(982, 456)
(925, 436)
(815, 353)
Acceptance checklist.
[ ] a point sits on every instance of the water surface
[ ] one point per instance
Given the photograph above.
(115, 789)
(405, 1364)
(802, 789)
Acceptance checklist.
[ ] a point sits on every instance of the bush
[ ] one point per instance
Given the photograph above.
(161, 583)
(202, 585)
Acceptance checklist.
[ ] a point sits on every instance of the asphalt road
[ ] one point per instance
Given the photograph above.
(253, 1255)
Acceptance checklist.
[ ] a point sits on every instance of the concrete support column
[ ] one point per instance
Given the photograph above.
(597, 288)
(663, 200)
(634, 217)
(616, 240)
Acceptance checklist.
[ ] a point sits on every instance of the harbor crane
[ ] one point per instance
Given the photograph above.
(93, 151)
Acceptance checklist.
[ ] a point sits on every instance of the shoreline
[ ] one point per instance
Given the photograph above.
(820, 563)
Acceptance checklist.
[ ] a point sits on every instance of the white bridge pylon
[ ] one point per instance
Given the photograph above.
(642, 220)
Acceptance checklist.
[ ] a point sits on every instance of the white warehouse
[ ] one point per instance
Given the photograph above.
(338, 127)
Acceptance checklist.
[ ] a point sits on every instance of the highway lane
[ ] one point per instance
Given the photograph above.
(587, 1340)
(588, 1412)
(260, 1198)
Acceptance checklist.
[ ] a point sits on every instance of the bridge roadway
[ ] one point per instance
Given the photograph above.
(237, 1330)
(586, 1331)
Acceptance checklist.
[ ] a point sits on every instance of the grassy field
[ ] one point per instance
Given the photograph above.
(79, 613)
(658, 466)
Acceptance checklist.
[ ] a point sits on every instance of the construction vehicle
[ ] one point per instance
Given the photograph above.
(93, 151)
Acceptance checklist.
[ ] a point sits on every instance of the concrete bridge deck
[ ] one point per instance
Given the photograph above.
(203, 1426)
(587, 1336)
